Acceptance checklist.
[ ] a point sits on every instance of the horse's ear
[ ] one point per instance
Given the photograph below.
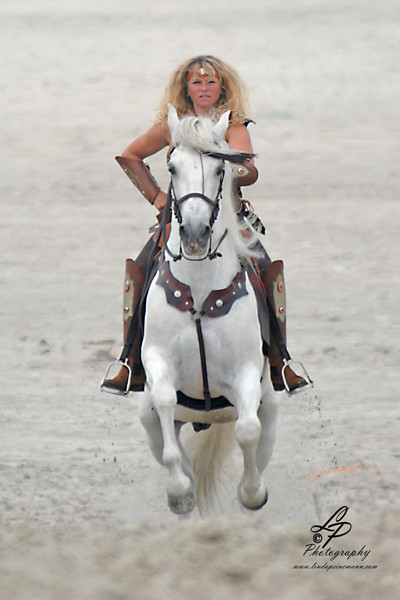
(221, 127)
(172, 119)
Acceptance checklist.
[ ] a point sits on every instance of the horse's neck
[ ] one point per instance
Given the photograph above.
(207, 275)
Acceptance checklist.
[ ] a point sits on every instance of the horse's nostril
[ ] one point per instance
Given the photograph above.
(183, 234)
(205, 234)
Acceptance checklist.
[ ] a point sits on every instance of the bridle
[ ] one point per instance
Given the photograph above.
(175, 203)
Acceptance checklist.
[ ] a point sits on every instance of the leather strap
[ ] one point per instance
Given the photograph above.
(217, 304)
(203, 361)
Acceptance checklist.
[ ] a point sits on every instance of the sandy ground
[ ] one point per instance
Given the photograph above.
(83, 510)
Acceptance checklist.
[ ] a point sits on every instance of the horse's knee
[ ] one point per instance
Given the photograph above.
(247, 430)
(164, 396)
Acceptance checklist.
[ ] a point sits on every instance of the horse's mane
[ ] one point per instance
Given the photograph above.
(197, 133)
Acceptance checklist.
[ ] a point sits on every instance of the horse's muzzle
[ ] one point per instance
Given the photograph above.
(195, 243)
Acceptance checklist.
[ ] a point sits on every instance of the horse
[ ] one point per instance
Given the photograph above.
(202, 348)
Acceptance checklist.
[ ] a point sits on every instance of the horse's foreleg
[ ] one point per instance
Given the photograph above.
(151, 422)
(252, 490)
(180, 488)
(268, 415)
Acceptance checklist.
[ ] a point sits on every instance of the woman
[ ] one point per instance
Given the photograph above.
(202, 86)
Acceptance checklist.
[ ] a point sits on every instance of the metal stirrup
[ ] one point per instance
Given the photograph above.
(305, 376)
(115, 390)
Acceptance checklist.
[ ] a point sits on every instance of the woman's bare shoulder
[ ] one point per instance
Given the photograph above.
(238, 137)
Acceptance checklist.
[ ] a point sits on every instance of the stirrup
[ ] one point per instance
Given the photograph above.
(115, 390)
(309, 382)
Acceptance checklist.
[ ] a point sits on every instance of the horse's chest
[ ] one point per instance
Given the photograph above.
(217, 337)
(226, 341)
(181, 335)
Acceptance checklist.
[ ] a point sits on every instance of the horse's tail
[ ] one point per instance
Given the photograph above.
(210, 451)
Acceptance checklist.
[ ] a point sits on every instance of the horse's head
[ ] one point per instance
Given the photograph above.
(196, 179)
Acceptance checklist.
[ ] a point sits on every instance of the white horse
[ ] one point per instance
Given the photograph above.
(202, 335)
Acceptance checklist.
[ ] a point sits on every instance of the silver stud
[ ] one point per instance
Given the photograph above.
(219, 303)
(177, 294)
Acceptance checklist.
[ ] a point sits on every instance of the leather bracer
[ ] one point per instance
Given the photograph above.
(141, 177)
(244, 174)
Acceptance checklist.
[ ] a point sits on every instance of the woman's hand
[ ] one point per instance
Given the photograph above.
(160, 201)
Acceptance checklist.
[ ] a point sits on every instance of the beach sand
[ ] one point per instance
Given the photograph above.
(83, 506)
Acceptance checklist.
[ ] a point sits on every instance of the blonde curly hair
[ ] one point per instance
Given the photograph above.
(233, 97)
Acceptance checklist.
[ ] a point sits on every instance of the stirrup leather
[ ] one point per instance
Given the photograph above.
(309, 382)
(115, 390)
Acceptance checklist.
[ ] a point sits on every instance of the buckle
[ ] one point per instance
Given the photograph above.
(111, 389)
(308, 381)
(248, 206)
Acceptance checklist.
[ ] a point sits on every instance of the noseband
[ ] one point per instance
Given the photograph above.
(175, 203)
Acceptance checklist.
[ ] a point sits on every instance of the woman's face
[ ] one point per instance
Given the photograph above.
(204, 91)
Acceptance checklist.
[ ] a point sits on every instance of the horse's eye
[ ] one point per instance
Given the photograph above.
(220, 170)
(171, 169)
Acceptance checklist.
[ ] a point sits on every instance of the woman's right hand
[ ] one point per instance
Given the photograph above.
(160, 201)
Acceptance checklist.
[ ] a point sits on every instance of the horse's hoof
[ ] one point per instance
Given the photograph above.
(181, 505)
(255, 504)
